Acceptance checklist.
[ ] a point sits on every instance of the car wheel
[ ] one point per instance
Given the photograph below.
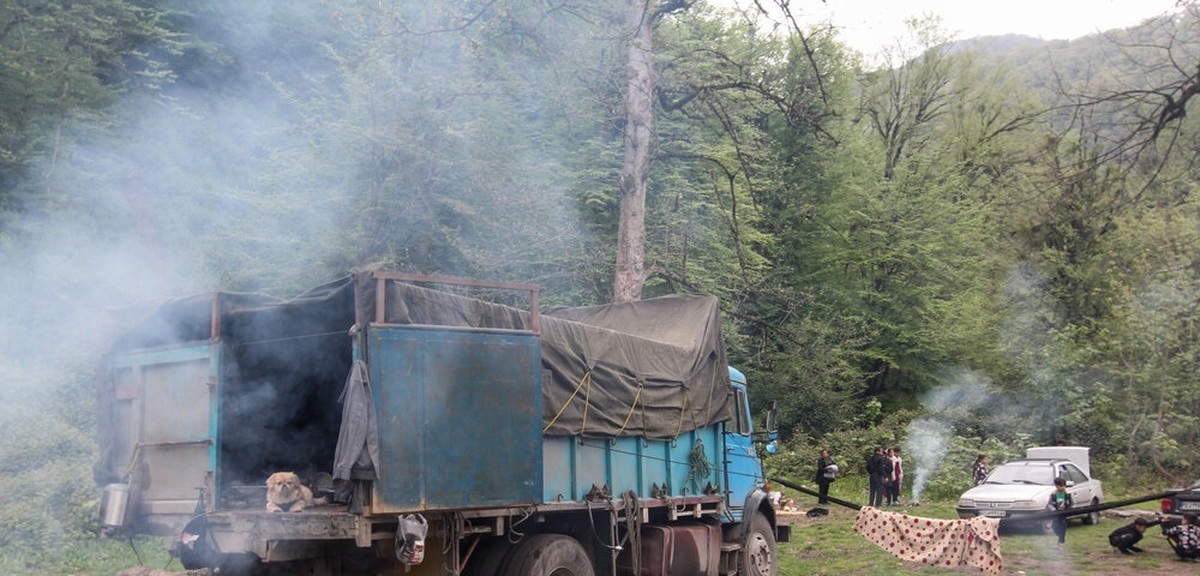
(1093, 518)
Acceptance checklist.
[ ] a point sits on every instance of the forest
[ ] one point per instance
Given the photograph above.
(964, 246)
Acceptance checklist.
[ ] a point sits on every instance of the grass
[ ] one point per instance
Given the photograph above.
(88, 556)
(829, 546)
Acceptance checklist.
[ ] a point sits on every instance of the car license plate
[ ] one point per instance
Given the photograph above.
(1189, 505)
(994, 513)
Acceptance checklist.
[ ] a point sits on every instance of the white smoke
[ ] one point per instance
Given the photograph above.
(928, 438)
(926, 445)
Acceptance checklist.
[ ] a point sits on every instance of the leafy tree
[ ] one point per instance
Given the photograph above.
(65, 64)
(904, 251)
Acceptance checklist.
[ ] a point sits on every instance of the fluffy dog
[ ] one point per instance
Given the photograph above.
(286, 493)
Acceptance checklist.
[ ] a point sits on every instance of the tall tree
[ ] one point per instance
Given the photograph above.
(639, 122)
(644, 16)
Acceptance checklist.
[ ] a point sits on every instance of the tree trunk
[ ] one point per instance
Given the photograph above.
(631, 230)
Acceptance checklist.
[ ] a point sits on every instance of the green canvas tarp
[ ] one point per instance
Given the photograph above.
(654, 368)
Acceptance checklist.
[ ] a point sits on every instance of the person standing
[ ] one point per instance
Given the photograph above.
(824, 477)
(878, 466)
(897, 470)
(979, 470)
(1060, 500)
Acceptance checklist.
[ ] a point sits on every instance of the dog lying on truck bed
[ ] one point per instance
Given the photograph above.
(285, 493)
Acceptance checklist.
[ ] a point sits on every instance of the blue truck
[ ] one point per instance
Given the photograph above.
(445, 426)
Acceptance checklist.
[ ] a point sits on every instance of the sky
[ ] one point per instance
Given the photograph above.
(868, 25)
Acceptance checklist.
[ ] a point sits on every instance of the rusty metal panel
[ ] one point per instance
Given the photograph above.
(459, 416)
(164, 423)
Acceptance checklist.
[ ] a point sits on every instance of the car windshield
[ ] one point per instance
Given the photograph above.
(1021, 474)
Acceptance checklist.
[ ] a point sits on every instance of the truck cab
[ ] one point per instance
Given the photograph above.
(743, 468)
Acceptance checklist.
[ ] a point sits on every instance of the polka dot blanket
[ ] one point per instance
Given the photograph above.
(934, 541)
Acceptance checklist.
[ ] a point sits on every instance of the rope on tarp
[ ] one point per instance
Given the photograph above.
(682, 414)
(585, 384)
(632, 408)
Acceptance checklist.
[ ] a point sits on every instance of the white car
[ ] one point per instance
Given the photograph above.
(1022, 487)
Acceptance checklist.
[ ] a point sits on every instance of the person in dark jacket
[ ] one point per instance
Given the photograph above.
(879, 467)
(824, 477)
(1125, 538)
(1060, 500)
(979, 470)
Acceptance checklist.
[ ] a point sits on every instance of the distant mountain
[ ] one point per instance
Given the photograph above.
(997, 44)
(1062, 72)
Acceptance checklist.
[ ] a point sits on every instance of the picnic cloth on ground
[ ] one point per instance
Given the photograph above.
(934, 541)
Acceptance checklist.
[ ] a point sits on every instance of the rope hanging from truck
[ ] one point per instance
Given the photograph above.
(699, 464)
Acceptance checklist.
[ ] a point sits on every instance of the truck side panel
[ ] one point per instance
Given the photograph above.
(678, 467)
(459, 416)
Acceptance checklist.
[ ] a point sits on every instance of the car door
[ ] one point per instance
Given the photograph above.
(1079, 486)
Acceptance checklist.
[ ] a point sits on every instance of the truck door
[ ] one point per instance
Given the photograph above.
(743, 470)
(162, 430)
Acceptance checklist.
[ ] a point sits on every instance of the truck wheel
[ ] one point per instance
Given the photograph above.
(548, 555)
(489, 559)
(758, 551)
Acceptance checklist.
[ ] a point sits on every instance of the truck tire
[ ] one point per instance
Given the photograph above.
(489, 559)
(759, 557)
(548, 555)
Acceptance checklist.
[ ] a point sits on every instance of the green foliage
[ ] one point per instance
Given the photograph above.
(44, 464)
(65, 64)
